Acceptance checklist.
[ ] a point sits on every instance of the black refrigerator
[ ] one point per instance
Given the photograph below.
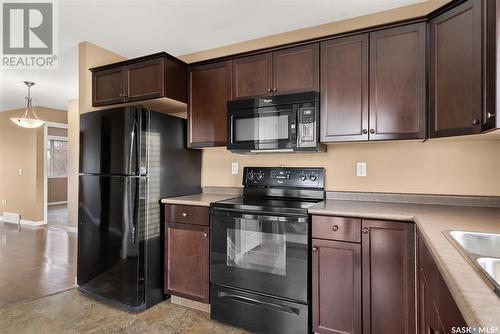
(130, 158)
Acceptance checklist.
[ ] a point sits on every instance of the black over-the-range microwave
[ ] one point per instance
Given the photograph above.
(284, 123)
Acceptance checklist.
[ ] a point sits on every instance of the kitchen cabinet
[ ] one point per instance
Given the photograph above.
(336, 276)
(388, 277)
(187, 252)
(456, 71)
(378, 94)
(438, 312)
(144, 78)
(290, 70)
(398, 102)
(344, 89)
(209, 91)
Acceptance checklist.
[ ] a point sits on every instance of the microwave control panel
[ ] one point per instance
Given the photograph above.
(307, 135)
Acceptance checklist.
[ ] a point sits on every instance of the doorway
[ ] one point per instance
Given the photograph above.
(56, 175)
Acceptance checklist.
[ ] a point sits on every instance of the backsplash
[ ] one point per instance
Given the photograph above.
(433, 167)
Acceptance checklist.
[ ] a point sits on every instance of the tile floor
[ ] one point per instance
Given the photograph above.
(72, 312)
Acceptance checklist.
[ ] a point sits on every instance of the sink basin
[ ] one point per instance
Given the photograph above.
(482, 244)
(482, 250)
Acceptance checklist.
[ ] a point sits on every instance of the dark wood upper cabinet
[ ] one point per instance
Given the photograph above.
(336, 281)
(252, 76)
(456, 71)
(398, 83)
(145, 80)
(108, 87)
(209, 91)
(187, 261)
(344, 89)
(149, 77)
(296, 69)
(388, 257)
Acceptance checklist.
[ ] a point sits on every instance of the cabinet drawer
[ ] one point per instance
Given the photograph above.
(187, 214)
(336, 228)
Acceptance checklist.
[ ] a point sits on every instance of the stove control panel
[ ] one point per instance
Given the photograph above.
(293, 177)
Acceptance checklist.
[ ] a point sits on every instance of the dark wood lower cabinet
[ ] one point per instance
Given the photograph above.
(388, 256)
(336, 277)
(438, 312)
(187, 261)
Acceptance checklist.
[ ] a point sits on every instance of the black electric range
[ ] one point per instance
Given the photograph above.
(260, 250)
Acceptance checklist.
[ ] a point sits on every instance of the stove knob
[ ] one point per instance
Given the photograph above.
(250, 175)
(260, 175)
(302, 177)
(312, 177)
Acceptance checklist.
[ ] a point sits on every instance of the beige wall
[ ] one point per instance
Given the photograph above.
(22, 148)
(57, 189)
(434, 167)
(73, 154)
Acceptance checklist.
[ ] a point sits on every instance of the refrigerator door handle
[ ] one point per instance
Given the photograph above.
(132, 144)
(133, 203)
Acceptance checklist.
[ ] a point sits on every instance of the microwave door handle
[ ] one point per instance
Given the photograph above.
(252, 301)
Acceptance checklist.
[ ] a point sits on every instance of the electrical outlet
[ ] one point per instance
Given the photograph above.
(361, 169)
(234, 168)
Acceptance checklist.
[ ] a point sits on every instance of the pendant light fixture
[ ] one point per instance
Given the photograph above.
(29, 119)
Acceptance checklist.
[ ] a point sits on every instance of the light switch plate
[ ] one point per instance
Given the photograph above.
(234, 168)
(361, 169)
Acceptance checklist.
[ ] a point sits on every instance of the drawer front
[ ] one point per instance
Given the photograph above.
(186, 214)
(336, 228)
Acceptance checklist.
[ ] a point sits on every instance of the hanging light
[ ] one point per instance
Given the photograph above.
(29, 119)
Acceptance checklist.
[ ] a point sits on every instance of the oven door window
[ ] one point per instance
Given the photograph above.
(248, 248)
(263, 128)
(263, 253)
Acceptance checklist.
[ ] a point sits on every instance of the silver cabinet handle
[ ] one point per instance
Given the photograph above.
(335, 228)
(205, 235)
(475, 122)
(184, 214)
(365, 230)
(490, 115)
(315, 249)
(364, 131)
(372, 131)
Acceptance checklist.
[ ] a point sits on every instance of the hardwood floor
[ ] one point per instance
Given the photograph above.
(35, 262)
(57, 216)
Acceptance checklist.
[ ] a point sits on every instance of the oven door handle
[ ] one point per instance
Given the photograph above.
(260, 215)
(252, 301)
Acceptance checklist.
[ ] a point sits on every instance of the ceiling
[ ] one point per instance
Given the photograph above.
(136, 28)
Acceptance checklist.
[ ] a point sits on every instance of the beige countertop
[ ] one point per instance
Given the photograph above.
(202, 199)
(479, 305)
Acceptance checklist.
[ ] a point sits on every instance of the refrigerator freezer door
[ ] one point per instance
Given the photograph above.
(110, 141)
(110, 250)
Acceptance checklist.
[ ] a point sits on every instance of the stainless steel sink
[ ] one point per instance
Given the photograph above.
(483, 252)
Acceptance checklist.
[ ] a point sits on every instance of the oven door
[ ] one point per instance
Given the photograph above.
(270, 128)
(259, 252)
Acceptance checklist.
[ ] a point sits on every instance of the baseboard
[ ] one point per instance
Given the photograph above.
(72, 229)
(26, 222)
(57, 203)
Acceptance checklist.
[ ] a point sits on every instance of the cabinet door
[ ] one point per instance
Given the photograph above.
(252, 76)
(209, 91)
(388, 257)
(428, 317)
(296, 69)
(145, 80)
(398, 83)
(455, 71)
(336, 283)
(187, 261)
(108, 87)
(344, 89)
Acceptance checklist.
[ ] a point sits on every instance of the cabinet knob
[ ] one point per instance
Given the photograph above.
(205, 235)
(335, 228)
(475, 122)
(372, 131)
(365, 230)
(315, 249)
(275, 90)
(364, 131)
(184, 214)
(269, 90)
(490, 115)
